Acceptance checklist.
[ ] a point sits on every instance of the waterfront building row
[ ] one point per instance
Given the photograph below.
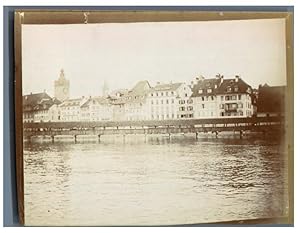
(202, 98)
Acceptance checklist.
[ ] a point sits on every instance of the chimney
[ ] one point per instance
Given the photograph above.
(236, 79)
(222, 79)
(192, 84)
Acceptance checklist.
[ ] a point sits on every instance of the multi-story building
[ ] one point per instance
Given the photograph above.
(96, 109)
(135, 106)
(39, 108)
(169, 101)
(117, 101)
(205, 97)
(271, 101)
(220, 98)
(70, 109)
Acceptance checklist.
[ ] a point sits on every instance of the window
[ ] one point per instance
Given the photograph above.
(189, 108)
(189, 101)
(221, 106)
(212, 98)
(240, 105)
(233, 97)
(186, 95)
(228, 89)
(181, 108)
(167, 93)
(162, 101)
(162, 94)
(167, 101)
(236, 89)
(202, 105)
(240, 97)
(156, 101)
(227, 97)
(200, 91)
(172, 93)
(156, 93)
(172, 101)
(202, 98)
(209, 90)
(151, 94)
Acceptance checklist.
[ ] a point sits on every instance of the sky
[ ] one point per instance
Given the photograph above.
(122, 54)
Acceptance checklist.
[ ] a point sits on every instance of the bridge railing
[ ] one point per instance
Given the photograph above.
(157, 123)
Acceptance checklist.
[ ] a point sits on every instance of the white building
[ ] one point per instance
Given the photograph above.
(220, 98)
(169, 101)
(70, 109)
(96, 109)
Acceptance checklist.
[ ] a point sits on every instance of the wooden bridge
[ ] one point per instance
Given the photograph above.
(241, 125)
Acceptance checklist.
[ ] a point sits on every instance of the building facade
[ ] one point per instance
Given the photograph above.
(39, 108)
(71, 109)
(271, 101)
(135, 105)
(169, 101)
(96, 109)
(221, 98)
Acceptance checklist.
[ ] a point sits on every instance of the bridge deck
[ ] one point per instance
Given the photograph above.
(153, 127)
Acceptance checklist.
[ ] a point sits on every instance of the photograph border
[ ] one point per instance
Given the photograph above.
(43, 16)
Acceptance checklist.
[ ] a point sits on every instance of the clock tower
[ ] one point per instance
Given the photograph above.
(62, 87)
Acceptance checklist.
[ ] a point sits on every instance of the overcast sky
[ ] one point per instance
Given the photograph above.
(123, 53)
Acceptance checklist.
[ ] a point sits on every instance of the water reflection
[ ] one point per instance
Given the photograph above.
(154, 180)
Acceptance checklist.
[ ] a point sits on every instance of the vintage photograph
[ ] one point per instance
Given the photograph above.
(155, 123)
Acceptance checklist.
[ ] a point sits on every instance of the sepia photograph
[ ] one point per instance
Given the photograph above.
(155, 122)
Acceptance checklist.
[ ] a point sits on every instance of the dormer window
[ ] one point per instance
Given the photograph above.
(228, 89)
(200, 91)
(236, 89)
(209, 90)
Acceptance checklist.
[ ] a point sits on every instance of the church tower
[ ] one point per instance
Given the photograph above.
(62, 87)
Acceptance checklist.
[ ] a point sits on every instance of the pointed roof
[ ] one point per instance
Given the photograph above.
(166, 87)
(33, 99)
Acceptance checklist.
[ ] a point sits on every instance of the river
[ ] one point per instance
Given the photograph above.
(154, 180)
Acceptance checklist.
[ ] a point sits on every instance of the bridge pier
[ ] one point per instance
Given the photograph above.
(196, 135)
(52, 138)
(99, 137)
(241, 133)
(75, 138)
(216, 132)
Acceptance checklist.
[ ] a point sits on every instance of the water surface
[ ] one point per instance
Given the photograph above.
(154, 181)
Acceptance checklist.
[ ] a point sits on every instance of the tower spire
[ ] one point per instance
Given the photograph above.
(62, 74)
